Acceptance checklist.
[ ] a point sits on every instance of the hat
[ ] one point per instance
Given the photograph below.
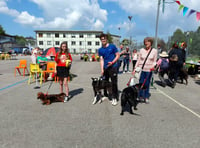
(163, 54)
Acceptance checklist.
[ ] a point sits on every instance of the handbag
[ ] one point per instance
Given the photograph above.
(138, 70)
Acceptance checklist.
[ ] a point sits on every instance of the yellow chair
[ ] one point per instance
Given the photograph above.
(34, 70)
(51, 68)
(22, 65)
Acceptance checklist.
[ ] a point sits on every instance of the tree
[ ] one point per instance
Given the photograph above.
(2, 32)
(110, 39)
(21, 40)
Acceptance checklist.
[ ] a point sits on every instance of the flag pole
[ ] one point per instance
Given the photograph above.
(157, 18)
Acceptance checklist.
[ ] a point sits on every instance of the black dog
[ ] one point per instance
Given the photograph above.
(183, 75)
(99, 84)
(130, 96)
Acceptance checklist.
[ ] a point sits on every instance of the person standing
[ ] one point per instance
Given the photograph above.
(119, 61)
(134, 57)
(126, 60)
(63, 68)
(34, 54)
(109, 68)
(147, 61)
(176, 60)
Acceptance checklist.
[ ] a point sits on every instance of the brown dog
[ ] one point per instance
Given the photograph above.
(48, 99)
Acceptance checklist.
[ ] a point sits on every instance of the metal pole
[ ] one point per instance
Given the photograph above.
(157, 17)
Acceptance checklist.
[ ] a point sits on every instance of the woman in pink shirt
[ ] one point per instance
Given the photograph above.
(149, 65)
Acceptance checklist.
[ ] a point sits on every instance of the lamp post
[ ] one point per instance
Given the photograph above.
(130, 17)
(188, 42)
(157, 18)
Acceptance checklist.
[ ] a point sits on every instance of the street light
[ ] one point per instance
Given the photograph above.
(130, 17)
(157, 17)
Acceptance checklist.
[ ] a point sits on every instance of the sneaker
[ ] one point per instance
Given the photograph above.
(124, 72)
(147, 101)
(66, 99)
(114, 102)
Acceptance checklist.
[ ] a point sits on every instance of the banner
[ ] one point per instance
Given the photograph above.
(185, 10)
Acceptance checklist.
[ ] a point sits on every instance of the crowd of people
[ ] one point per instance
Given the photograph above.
(148, 59)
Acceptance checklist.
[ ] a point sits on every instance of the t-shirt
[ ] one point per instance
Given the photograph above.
(61, 61)
(108, 54)
(41, 59)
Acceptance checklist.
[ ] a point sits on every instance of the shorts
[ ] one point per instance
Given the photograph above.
(62, 71)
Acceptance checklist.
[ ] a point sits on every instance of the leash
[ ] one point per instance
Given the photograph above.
(146, 79)
(49, 87)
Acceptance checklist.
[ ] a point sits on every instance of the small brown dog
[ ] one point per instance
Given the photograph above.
(48, 99)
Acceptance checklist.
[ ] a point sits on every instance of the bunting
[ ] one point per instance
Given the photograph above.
(185, 10)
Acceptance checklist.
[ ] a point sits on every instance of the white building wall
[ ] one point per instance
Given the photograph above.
(78, 41)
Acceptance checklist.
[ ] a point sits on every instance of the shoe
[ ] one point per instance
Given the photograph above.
(114, 102)
(147, 101)
(66, 99)
(124, 72)
(141, 99)
(128, 72)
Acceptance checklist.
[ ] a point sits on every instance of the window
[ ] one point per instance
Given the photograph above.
(97, 36)
(97, 43)
(64, 36)
(81, 36)
(57, 42)
(73, 43)
(40, 35)
(89, 43)
(40, 42)
(89, 35)
(48, 35)
(57, 35)
(73, 36)
(80, 43)
(48, 42)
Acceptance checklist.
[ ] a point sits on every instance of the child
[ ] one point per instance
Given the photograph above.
(162, 66)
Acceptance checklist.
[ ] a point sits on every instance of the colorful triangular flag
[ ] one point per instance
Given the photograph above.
(191, 11)
(178, 2)
(198, 16)
(180, 7)
(185, 9)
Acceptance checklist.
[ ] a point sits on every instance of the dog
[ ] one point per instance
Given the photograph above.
(130, 96)
(99, 84)
(183, 75)
(48, 99)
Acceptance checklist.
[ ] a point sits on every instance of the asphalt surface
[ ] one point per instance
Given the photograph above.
(171, 120)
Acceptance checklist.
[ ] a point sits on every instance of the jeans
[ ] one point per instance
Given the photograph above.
(145, 76)
(126, 64)
(111, 73)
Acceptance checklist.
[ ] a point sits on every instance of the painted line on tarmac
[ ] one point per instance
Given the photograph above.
(181, 105)
(13, 84)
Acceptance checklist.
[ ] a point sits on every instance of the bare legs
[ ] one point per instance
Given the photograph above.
(64, 81)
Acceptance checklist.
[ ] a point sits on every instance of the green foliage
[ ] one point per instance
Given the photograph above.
(125, 42)
(20, 40)
(110, 39)
(191, 38)
(2, 31)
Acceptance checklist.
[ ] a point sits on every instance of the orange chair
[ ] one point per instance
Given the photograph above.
(51, 68)
(22, 65)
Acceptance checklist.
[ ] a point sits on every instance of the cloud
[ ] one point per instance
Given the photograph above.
(63, 14)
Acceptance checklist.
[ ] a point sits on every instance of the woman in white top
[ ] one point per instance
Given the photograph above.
(134, 57)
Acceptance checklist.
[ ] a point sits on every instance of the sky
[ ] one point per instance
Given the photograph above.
(23, 17)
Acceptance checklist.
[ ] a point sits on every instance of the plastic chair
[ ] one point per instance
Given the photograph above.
(22, 65)
(51, 68)
(34, 71)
